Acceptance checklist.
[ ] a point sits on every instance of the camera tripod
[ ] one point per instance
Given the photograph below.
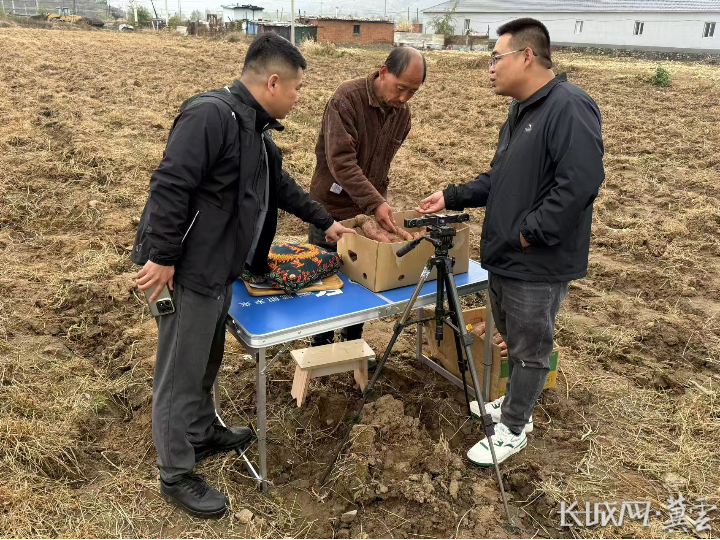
(440, 235)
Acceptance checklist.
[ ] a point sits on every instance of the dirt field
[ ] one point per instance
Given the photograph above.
(635, 416)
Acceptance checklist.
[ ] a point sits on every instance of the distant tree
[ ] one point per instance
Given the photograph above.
(175, 21)
(445, 24)
(197, 16)
(144, 18)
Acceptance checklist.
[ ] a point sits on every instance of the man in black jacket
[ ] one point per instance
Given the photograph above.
(212, 209)
(538, 198)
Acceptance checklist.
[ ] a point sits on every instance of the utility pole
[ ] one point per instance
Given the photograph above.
(386, 8)
(292, 22)
(13, 7)
(167, 12)
(2, 6)
(179, 8)
(408, 13)
(134, 11)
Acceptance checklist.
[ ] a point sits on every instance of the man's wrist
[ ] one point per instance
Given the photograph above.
(526, 233)
(450, 198)
(372, 208)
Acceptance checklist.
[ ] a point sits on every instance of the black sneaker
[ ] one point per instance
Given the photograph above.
(194, 495)
(223, 439)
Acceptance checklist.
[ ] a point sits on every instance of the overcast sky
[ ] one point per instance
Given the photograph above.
(395, 9)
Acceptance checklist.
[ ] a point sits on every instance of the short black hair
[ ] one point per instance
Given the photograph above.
(527, 32)
(398, 60)
(270, 48)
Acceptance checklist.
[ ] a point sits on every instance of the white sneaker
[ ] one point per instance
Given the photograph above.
(506, 444)
(493, 409)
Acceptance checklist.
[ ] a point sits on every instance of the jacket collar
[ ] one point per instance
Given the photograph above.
(372, 98)
(543, 92)
(262, 119)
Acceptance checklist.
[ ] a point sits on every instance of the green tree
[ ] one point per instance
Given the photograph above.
(197, 16)
(445, 24)
(144, 18)
(175, 21)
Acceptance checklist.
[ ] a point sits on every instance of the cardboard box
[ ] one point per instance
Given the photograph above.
(447, 355)
(375, 266)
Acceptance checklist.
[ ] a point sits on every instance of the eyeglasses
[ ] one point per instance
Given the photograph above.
(494, 58)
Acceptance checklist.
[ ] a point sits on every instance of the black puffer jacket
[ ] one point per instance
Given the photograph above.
(205, 196)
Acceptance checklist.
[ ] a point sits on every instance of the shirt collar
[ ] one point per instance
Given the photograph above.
(543, 92)
(263, 120)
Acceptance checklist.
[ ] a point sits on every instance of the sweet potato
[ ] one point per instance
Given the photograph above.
(404, 235)
(372, 230)
(497, 338)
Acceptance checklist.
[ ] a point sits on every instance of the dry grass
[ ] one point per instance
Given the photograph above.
(635, 414)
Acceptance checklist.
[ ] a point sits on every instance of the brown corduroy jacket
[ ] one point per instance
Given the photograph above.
(355, 148)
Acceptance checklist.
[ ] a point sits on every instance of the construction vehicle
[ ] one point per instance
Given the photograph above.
(64, 14)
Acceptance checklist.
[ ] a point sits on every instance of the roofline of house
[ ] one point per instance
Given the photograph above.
(283, 24)
(434, 9)
(245, 8)
(331, 19)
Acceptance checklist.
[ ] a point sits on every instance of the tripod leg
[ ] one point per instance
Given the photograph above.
(439, 304)
(398, 328)
(454, 301)
(442, 282)
(462, 361)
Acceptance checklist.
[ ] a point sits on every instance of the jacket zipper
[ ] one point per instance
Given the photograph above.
(502, 163)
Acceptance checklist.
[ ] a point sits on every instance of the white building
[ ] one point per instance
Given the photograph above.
(238, 12)
(656, 25)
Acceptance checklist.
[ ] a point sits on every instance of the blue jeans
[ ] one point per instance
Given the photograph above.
(524, 314)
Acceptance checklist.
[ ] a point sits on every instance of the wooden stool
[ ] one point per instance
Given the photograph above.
(328, 360)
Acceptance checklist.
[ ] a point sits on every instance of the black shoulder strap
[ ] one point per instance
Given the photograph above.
(223, 94)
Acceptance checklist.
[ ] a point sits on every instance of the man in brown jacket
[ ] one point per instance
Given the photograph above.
(364, 124)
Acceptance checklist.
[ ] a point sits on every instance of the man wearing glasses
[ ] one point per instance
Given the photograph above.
(538, 197)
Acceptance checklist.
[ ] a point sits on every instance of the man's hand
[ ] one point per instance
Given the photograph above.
(384, 216)
(434, 203)
(524, 243)
(335, 232)
(155, 276)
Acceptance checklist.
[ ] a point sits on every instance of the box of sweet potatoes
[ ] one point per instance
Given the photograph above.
(369, 257)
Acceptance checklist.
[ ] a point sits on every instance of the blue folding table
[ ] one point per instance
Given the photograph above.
(262, 322)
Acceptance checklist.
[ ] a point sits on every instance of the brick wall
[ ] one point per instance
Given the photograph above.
(343, 31)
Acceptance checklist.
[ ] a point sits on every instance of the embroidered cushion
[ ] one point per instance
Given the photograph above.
(294, 266)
